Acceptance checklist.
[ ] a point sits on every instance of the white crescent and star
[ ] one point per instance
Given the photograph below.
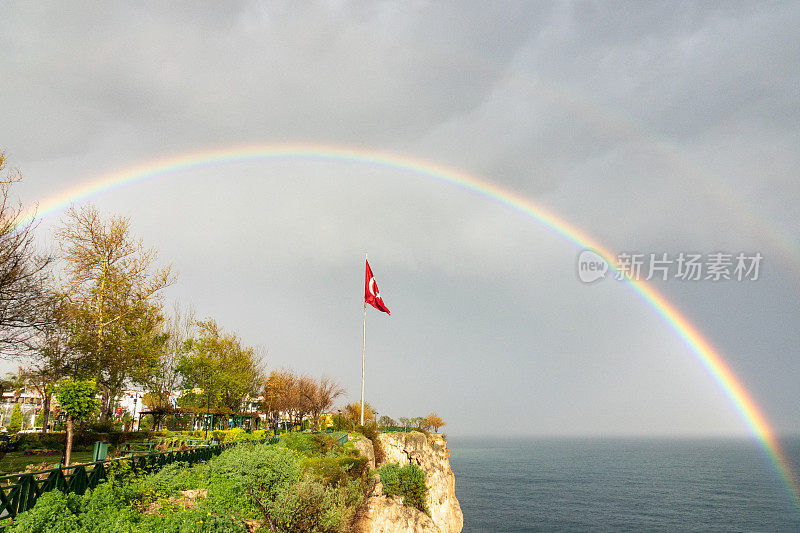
(373, 288)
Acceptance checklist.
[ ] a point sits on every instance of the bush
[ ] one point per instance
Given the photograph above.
(106, 426)
(28, 441)
(251, 480)
(124, 504)
(175, 477)
(261, 470)
(337, 471)
(51, 514)
(310, 506)
(408, 482)
(236, 434)
(198, 520)
(310, 445)
(15, 422)
(9, 443)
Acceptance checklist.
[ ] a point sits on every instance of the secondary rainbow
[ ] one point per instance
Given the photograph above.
(704, 352)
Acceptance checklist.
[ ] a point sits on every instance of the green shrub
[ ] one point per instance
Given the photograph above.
(233, 435)
(260, 469)
(15, 422)
(408, 482)
(175, 477)
(227, 496)
(337, 471)
(103, 509)
(310, 506)
(51, 514)
(106, 426)
(291, 491)
(198, 520)
(310, 445)
(9, 443)
(29, 441)
(322, 499)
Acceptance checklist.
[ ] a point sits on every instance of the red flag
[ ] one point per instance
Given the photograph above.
(371, 294)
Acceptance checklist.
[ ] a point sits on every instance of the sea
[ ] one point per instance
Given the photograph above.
(622, 484)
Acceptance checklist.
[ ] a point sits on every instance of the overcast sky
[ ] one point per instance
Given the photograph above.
(654, 127)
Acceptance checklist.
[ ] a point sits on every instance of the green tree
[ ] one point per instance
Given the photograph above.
(15, 422)
(386, 421)
(228, 372)
(114, 300)
(77, 398)
(421, 422)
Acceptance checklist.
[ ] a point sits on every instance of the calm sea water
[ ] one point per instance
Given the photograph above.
(621, 485)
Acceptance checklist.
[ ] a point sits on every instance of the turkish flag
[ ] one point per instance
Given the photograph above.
(371, 294)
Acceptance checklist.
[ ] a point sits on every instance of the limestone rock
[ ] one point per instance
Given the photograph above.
(431, 455)
(364, 446)
(389, 515)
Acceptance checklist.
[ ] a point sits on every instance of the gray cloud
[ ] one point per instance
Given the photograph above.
(669, 127)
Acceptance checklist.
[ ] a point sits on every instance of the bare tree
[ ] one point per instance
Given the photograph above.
(305, 387)
(18, 382)
(164, 376)
(41, 380)
(320, 396)
(49, 356)
(277, 395)
(292, 396)
(22, 271)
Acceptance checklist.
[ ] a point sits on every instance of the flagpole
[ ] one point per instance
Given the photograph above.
(363, 353)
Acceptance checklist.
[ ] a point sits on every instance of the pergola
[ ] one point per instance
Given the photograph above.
(245, 420)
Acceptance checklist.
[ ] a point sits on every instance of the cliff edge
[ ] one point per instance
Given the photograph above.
(384, 515)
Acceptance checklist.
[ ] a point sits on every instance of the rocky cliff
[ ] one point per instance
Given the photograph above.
(384, 515)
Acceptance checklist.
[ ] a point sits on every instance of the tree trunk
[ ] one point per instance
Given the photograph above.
(46, 411)
(106, 404)
(68, 451)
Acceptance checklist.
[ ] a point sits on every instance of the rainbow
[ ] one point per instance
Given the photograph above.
(704, 352)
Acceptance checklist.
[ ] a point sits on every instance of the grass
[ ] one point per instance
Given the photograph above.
(17, 461)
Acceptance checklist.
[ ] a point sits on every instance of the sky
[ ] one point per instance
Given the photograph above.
(666, 127)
